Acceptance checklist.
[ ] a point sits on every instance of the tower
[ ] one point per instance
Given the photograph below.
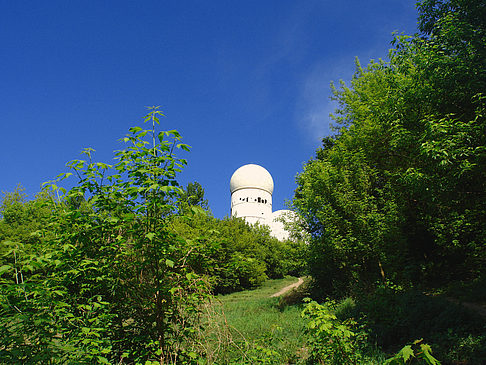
(251, 189)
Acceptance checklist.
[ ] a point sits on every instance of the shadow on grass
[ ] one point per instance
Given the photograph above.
(457, 334)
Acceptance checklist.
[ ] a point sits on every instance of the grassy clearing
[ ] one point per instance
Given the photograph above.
(249, 328)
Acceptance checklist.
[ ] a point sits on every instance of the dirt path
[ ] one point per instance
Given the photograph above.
(475, 307)
(288, 288)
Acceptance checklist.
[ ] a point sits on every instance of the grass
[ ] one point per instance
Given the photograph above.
(249, 327)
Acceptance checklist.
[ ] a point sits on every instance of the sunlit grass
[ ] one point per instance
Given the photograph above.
(249, 327)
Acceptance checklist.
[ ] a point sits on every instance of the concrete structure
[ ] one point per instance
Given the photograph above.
(251, 189)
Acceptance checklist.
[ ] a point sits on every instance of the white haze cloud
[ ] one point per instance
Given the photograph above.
(314, 103)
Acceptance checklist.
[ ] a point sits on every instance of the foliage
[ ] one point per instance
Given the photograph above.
(394, 316)
(22, 220)
(398, 193)
(110, 283)
(193, 196)
(236, 255)
(417, 350)
(331, 340)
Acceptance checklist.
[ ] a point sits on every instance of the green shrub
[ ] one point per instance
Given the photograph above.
(109, 282)
(236, 255)
(333, 341)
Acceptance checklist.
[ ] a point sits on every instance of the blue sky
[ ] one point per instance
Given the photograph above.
(242, 81)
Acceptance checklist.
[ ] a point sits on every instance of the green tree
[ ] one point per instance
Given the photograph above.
(398, 192)
(22, 218)
(193, 196)
(236, 255)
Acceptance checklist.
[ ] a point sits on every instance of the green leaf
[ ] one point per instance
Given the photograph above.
(406, 353)
(4, 268)
(150, 236)
(102, 360)
(174, 133)
(427, 355)
(169, 263)
(183, 146)
(135, 129)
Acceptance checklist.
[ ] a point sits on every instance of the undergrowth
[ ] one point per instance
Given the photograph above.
(389, 326)
(394, 318)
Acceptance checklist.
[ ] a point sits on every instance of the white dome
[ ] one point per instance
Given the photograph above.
(283, 214)
(251, 176)
(277, 225)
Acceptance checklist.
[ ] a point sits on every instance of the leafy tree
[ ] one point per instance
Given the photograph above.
(398, 193)
(193, 196)
(236, 255)
(21, 219)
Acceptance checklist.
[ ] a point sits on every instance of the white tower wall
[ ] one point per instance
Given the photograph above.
(253, 204)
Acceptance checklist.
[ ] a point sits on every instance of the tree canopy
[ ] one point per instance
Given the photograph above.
(399, 192)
